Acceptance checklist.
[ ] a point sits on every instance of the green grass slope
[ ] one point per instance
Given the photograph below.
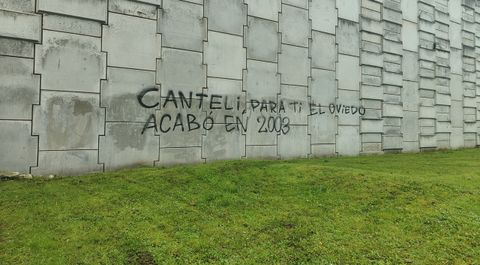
(392, 209)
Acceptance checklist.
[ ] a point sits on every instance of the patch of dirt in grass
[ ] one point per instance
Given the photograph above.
(141, 258)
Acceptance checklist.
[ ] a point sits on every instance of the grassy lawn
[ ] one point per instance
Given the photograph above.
(392, 209)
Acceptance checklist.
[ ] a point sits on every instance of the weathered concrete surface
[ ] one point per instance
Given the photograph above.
(100, 85)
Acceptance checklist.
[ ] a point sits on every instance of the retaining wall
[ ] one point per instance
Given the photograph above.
(105, 84)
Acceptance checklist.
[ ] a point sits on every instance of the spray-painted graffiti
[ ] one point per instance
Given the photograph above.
(235, 112)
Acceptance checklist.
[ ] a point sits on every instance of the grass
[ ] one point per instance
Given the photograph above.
(392, 209)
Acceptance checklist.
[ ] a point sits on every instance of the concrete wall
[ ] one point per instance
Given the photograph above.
(100, 85)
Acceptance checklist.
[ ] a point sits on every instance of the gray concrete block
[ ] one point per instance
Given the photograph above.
(219, 145)
(224, 55)
(323, 150)
(323, 87)
(119, 94)
(298, 3)
(348, 72)
(182, 25)
(124, 145)
(134, 8)
(295, 144)
(175, 129)
(348, 141)
(294, 65)
(322, 128)
(323, 50)
(294, 26)
(232, 91)
(94, 10)
(67, 163)
(456, 87)
(409, 147)
(19, 88)
(58, 57)
(371, 126)
(256, 134)
(457, 114)
(175, 65)
(470, 140)
(20, 25)
(261, 80)
(18, 5)
(371, 148)
(18, 149)
(410, 36)
(227, 16)
(410, 126)
(455, 9)
(409, 10)
(175, 156)
(72, 25)
(348, 98)
(119, 35)
(323, 14)
(16, 47)
(296, 103)
(455, 35)
(349, 9)
(262, 39)
(267, 9)
(265, 152)
(410, 96)
(348, 37)
(410, 66)
(66, 121)
(392, 142)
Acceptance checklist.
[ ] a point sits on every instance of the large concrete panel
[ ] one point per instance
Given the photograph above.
(182, 25)
(175, 65)
(135, 8)
(262, 39)
(294, 65)
(227, 16)
(16, 47)
(95, 10)
(294, 26)
(58, 57)
(119, 94)
(18, 149)
(20, 25)
(219, 145)
(295, 144)
(18, 5)
(19, 88)
(349, 9)
(348, 140)
(67, 163)
(348, 72)
(267, 9)
(124, 145)
(131, 42)
(225, 55)
(348, 37)
(72, 25)
(323, 14)
(261, 80)
(174, 156)
(66, 121)
(323, 50)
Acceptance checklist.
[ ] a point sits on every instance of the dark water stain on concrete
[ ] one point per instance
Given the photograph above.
(81, 107)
